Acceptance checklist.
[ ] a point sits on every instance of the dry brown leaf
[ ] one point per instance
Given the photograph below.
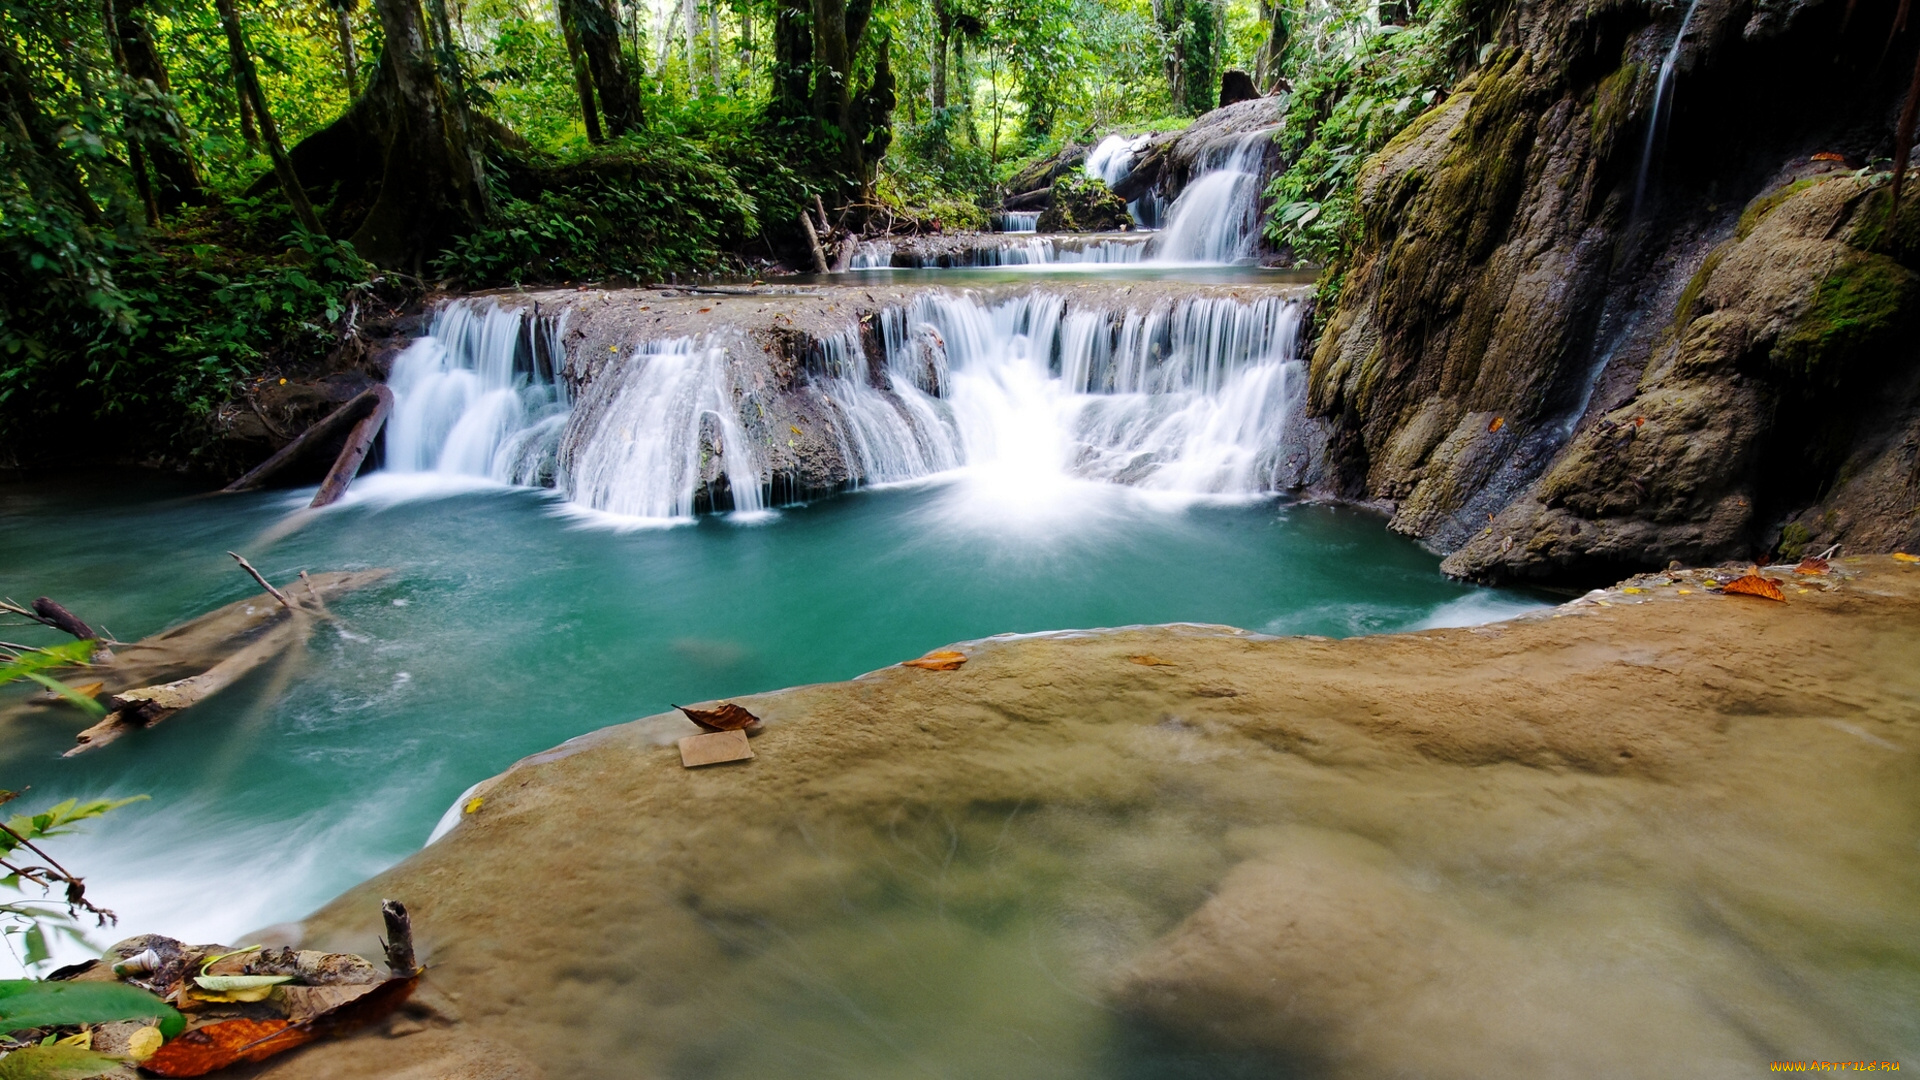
(938, 660)
(1498, 423)
(228, 1042)
(305, 1003)
(1148, 660)
(728, 717)
(1812, 564)
(1755, 585)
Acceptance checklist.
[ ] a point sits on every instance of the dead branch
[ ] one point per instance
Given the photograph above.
(399, 942)
(354, 453)
(264, 583)
(318, 432)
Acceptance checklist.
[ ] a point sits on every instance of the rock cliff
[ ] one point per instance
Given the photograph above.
(1573, 342)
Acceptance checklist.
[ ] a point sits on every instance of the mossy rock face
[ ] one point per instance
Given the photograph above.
(1857, 315)
(1084, 204)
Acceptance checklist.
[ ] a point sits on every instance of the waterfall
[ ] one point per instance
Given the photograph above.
(479, 396)
(1007, 221)
(1216, 219)
(1194, 396)
(1112, 161)
(655, 426)
(1049, 250)
(1662, 107)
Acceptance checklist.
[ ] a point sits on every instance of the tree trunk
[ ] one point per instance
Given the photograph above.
(690, 11)
(1273, 52)
(582, 80)
(164, 137)
(249, 82)
(713, 44)
(431, 187)
(943, 30)
(49, 167)
(596, 29)
(792, 60)
(349, 56)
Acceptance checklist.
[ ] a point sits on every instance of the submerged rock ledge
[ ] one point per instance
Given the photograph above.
(1657, 831)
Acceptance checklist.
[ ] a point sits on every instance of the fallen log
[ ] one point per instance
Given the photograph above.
(813, 241)
(352, 455)
(318, 433)
(196, 647)
(148, 705)
(1037, 199)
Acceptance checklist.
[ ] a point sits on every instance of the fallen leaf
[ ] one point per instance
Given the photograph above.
(474, 804)
(795, 430)
(1498, 423)
(1632, 590)
(728, 717)
(1812, 564)
(141, 1044)
(305, 1003)
(1901, 556)
(704, 310)
(225, 1043)
(1828, 157)
(54, 1063)
(1148, 660)
(938, 660)
(1686, 592)
(228, 983)
(1639, 421)
(1755, 585)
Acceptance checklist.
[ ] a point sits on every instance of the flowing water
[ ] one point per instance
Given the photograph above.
(512, 623)
(1662, 107)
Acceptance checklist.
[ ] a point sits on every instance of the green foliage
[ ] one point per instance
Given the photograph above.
(633, 211)
(30, 1003)
(1355, 88)
(55, 1062)
(31, 920)
(108, 323)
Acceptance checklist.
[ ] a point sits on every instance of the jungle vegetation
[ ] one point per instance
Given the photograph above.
(200, 191)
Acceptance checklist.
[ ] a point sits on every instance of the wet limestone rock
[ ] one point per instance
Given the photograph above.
(1084, 204)
(1785, 335)
(1518, 281)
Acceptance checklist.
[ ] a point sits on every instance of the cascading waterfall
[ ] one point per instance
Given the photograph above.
(656, 425)
(1662, 107)
(1016, 221)
(1195, 396)
(479, 396)
(1032, 251)
(1216, 217)
(1112, 161)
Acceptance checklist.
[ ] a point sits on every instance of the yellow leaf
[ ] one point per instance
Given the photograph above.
(1634, 591)
(938, 660)
(144, 1042)
(473, 804)
(795, 430)
(1686, 592)
(1901, 556)
(81, 1039)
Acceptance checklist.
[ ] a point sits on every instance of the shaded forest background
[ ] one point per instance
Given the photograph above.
(200, 194)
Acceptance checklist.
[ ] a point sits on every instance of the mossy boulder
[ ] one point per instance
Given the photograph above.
(1084, 204)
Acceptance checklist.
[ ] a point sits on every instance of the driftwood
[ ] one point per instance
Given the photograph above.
(318, 433)
(61, 619)
(399, 941)
(813, 241)
(352, 455)
(1036, 199)
(148, 680)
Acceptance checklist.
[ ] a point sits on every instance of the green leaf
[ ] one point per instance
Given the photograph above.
(73, 652)
(30, 1003)
(68, 693)
(55, 1063)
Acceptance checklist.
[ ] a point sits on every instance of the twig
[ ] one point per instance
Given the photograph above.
(264, 583)
(399, 941)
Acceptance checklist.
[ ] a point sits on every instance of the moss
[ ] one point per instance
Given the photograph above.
(1084, 204)
(1758, 209)
(1857, 312)
(1793, 541)
(1683, 311)
(1612, 107)
(1878, 229)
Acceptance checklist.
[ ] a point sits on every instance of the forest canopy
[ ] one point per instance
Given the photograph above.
(199, 192)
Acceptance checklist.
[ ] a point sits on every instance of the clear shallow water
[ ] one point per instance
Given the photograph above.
(513, 622)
